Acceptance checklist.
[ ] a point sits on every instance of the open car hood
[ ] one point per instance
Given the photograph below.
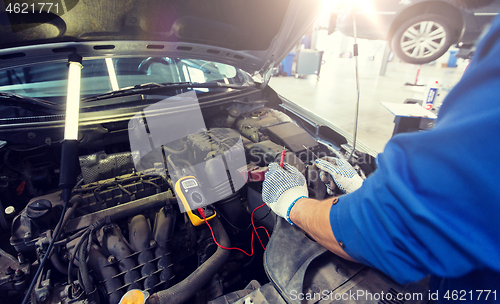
(251, 35)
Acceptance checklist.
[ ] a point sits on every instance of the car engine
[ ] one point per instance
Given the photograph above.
(124, 229)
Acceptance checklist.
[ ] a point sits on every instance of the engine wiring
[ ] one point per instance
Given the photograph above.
(47, 255)
(239, 228)
(254, 231)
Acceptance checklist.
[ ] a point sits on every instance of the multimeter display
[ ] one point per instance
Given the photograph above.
(189, 183)
(190, 194)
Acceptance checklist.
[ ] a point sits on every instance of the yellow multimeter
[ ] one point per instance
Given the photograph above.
(188, 191)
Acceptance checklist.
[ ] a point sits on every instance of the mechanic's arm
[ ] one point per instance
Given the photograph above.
(313, 217)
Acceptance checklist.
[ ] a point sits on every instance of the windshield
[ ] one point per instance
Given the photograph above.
(49, 80)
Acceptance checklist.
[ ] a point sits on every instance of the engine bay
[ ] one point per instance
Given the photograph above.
(127, 229)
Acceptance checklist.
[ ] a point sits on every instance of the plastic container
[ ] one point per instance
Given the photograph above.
(286, 64)
(452, 61)
(431, 94)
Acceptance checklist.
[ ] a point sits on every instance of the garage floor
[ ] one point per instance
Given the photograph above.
(333, 96)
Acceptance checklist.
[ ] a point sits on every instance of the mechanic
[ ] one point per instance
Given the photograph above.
(432, 206)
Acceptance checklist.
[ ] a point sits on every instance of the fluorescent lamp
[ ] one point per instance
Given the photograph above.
(112, 74)
(73, 101)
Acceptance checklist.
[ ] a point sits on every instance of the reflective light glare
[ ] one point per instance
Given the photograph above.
(362, 5)
(112, 74)
(73, 101)
(327, 6)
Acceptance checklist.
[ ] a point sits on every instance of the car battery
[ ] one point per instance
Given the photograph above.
(293, 137)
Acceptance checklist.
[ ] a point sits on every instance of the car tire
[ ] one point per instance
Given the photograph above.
(422, 39)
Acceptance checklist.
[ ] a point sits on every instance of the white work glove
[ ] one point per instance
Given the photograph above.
(342, 173)
(282, 188)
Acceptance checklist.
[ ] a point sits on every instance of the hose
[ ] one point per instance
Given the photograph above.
(75, 253)
(86, 235)
(187, 288)
(60, 265)
(54, 258)
(74, 202)
(84, 270)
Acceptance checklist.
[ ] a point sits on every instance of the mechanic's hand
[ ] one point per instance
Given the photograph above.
(342, 173)
(282, 188)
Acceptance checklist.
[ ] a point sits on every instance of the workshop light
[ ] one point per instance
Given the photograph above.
(73, 99)
(112, 74)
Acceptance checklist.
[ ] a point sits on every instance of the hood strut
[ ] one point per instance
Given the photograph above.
(267, 72)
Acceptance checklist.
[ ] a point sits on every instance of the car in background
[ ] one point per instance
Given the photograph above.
(420, 31)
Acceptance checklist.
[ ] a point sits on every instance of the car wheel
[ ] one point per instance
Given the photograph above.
(422, 39)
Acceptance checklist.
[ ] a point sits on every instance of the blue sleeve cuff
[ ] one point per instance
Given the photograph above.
(342, 223)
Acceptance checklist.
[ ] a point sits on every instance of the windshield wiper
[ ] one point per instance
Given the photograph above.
(11, 99)
(141, 88)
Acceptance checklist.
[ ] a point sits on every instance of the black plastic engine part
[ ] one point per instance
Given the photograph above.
(42, 287)
(291, 136)
(35, 219)
(120, 211)
(214, 142)
(106, 273)
(38, 211)
(220, 184)
(232, 206)
(119, 190)
(265, 152)
(13, 273)
(162, 233)
(313, 269)
(184, 290)
(252, 122)
(262, 215)
(252, 133)
(154, 262)
(223, 153)
(116, 245)
(262, 153)
(140, 240)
